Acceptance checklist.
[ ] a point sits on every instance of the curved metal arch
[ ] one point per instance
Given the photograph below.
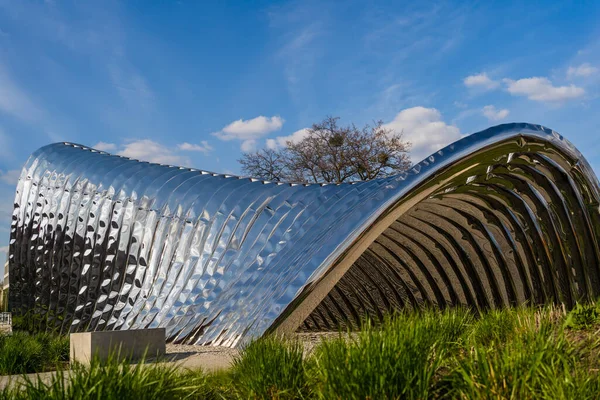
(504, 216)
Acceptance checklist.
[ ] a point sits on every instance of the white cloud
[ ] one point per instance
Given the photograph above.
(493, 114)
(583, 71)
(250, 129)
(248, 145)
(281, 141)
(426, 131)
(148, 150)
(102, 146)
(272, 144)
(10, 177)
(480, 81)
(4, 249)
(203, 147)
(541, 89)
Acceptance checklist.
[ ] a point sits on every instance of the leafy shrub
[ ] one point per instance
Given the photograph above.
(270, 368)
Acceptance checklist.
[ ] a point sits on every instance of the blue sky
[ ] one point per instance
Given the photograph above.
(193, 83)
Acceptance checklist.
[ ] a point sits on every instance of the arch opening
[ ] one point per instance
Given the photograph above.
(521, 228)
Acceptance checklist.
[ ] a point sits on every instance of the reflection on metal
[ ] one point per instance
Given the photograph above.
(99, 242)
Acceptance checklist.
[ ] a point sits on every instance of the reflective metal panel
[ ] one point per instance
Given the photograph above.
(505, 216)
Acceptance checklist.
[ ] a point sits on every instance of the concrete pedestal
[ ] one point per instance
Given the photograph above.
(131, 344)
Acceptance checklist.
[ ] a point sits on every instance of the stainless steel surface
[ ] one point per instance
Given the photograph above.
(99, 242)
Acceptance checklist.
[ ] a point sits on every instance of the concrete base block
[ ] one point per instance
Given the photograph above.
(131, 344)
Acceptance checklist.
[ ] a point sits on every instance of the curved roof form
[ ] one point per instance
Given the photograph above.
(505, 216)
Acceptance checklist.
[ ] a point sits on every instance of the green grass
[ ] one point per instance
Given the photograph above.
(21, 352)
(519, 353)
(530, 365)
(271, 368)
(114, 379)
(400, 359)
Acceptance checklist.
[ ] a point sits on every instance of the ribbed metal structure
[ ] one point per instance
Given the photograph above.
(505, 216)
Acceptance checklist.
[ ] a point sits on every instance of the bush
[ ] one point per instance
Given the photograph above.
(270, 368)
(22, 352)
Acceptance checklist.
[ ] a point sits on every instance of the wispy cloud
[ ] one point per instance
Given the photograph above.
(130, 84)
(10, 177)
(416, 27)
(102, 146)
(541, 89)
(415, 31)
(152, 151)
(299, 59)
(582, 71)
(203, 147)
(149, 150)
(98, 36)
(493, 114)
(299, 29)
(424, 129)
(535, 88)
(481, 80)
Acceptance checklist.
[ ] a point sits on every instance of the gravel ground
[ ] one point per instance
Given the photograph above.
(212, 358)
(208, 358)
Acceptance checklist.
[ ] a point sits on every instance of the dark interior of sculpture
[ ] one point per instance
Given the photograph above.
(520, 227)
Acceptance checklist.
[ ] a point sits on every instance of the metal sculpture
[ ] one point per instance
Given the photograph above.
(505, 216)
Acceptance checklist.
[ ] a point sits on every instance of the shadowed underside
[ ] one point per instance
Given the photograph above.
(505, 216)
(520, 229)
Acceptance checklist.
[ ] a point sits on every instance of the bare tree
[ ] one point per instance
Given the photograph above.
(332, 153)
(267, 164)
